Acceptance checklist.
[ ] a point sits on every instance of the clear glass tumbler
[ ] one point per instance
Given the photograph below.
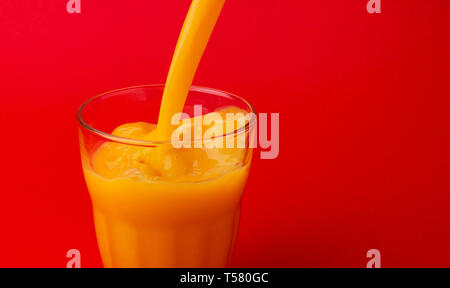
(149, 215)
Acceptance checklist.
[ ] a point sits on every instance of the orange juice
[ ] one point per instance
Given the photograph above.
(181, 210)
(158, 206)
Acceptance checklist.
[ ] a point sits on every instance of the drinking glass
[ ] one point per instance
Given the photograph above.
(143, 219)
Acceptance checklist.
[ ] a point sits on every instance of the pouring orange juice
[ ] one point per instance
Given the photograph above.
(157, 205)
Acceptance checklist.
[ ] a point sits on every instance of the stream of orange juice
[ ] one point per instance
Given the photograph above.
(194, 37)
(167, 207)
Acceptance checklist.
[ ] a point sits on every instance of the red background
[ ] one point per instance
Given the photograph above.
(364, 108)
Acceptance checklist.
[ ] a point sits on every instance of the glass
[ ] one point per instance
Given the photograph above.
(145, 218)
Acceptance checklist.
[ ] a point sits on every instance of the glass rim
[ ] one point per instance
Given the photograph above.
(146, 143)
